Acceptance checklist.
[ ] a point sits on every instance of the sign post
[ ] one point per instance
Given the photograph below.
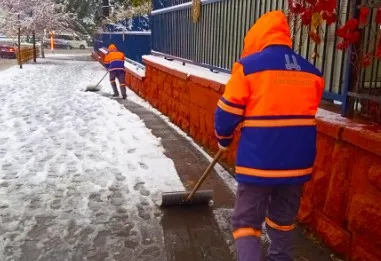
(52, 41)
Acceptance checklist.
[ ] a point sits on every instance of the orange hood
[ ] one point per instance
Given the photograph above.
(112, 48)
(270, 29)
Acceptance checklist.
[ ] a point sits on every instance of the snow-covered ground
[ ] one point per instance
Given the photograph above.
(78, 172)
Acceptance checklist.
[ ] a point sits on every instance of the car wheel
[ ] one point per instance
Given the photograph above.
(82, 46)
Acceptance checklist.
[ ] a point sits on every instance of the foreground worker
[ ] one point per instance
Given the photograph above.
(274, 93)
(114, 62)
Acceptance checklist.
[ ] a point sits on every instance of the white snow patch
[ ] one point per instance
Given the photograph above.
(72, 158)
(49, 54)
(190, 69)
(221, 171)
(137, 70)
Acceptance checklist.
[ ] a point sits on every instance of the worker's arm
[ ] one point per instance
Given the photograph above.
(106, 61)
(231, 106)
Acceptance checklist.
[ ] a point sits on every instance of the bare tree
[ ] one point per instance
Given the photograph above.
(32, 17)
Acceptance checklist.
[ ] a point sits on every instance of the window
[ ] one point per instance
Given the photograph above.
(64, 37)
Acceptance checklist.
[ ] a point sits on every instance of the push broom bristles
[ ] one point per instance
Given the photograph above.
(179, 198)
(93, 88)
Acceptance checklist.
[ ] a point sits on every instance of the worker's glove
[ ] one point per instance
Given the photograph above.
(222, 147)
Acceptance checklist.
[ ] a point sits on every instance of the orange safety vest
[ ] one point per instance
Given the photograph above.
(274, 93)
(114, 60)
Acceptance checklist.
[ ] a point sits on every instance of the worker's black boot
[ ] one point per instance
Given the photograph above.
(115, 89)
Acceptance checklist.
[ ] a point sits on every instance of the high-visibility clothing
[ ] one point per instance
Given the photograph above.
(277, 206)
(274, 94)
(114, 60)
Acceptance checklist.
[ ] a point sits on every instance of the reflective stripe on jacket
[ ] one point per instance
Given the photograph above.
(274, 94)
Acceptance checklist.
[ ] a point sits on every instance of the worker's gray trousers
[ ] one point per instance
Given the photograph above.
(121, 76)
(278, 207)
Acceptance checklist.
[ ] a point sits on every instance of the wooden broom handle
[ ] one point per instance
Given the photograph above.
(206, 173)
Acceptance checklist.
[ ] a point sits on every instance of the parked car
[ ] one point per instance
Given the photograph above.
(7, 50)
(58, 44)
(73, 40)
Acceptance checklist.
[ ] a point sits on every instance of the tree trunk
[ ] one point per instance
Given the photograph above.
(19, 47)
(34, 46)
(42, 46)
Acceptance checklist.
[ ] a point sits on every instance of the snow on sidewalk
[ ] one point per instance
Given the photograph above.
(78, 172)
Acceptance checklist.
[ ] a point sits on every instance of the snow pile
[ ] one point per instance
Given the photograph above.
(189, 69)
(135, 69)
(77, 171)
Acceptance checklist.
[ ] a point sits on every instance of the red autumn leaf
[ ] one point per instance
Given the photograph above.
(311, 2)
(329, 5)
(295, 7)
(315, 37)
(342, 32)
(354, 38)
(330, 18)
(318, 7)
(307, 17)
(342, 46)
(351, 24)
(366, 61)
(378, 16)
(364, 15)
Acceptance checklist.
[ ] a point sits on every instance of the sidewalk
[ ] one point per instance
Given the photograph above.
(79, 174)
(205, 230)
(6, 63)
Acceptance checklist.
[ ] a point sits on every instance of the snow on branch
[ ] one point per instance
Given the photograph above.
(32, 15)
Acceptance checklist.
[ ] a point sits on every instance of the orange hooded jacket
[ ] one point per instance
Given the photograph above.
(114, 60)
(274, 93)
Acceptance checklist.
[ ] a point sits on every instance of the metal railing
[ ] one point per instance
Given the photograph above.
(158, 4)
(133, 44)
(216, 42)
(365, 94)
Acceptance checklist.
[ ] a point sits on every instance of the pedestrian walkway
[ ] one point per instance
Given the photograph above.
(79, 174)
(5, 63)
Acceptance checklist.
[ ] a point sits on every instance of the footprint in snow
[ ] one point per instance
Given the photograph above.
(142, 189)
(56, 204)
(143, 165)
(130, 151)
(120, 177)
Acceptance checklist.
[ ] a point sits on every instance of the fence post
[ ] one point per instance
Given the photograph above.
(34, 47)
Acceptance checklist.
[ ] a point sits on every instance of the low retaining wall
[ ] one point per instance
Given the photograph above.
(341, 202)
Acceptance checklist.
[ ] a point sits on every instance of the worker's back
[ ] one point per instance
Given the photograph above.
(275, 93)
(114, 59)
(279, 122)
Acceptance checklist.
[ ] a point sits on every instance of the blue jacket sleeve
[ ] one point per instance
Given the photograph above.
(231, 106)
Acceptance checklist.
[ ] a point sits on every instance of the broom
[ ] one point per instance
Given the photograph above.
(96, 88)
(194, 197)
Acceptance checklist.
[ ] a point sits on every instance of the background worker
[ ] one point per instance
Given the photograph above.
(274, 93)
(114, 62)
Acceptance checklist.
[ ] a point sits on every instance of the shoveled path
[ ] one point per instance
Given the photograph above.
(194, 233)
(190, 233)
